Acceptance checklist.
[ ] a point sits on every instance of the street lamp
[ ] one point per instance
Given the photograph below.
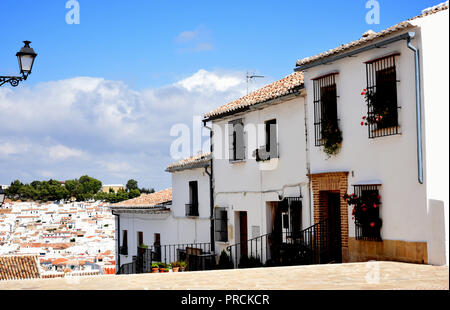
(2, 196)
(26, 57)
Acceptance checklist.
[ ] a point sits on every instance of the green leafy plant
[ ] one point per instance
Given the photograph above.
(244, 261)
(225, 261)
(155, 265)
(255, 262)
(366, 212)
(381, 107)
(331, 137)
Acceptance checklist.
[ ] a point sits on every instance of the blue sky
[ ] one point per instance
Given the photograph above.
(148, 51)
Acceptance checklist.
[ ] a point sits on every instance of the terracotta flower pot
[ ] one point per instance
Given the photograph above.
(162, 270)
(155, 270)
(176, 269)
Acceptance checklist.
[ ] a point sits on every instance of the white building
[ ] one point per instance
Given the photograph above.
(385, 155)
(253, 197)
(401, 162)
(169, 220)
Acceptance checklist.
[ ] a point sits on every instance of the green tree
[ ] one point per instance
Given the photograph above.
(147, 190)
(132, 184)
(90, 185)
(134, 193)
(13, 190)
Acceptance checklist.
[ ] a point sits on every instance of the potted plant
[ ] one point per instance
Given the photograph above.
(255, 262)
(244, 261)
(225, 261)
(162, 267)
(175, 266)
(155, 267)
(331, 137)
(183, 265)
(365, 213)
(380, 107)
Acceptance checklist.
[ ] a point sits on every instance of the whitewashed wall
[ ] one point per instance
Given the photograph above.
(393, 159)
(174, 227)
(194, 229)
(249, 185)
(435, 53)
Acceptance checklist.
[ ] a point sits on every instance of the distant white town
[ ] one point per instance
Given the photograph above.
(67, 237)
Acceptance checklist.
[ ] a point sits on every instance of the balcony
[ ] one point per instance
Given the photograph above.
(192, 209)
(123, 250)
(262, 154)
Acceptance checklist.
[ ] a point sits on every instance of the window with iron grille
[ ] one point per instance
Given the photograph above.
(382, 106)
(325, 106)
(367, 213)
(236, 140)
(192, 206)
(221, 224)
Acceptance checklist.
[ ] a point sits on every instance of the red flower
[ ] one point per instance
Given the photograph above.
(372, 224)
(364, 209)
(378, 197)
(363, 93)
(375, 205)
(364, 117)
(362, 123)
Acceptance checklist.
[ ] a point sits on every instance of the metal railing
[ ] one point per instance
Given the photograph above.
(175, 252)
(192, 209)
(309, 246)
(130, 268)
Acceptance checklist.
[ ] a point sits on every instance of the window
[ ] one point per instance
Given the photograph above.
(367, 213)
(381, 93)
(221, 224)
(124, 248)
(270, 149)
(325, 107)
(192, 206)
(140, 236)
(236, 140)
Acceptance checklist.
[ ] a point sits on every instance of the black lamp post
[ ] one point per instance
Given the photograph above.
(2, 196)
(26, 57)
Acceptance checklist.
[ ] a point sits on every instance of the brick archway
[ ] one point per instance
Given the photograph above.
(336, 182)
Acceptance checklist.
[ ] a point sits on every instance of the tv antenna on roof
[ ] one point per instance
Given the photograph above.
(251, 77)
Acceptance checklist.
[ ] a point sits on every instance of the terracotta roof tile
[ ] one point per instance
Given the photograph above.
(196, 161)
(147, 200)
(287, 85)
(371, 36)
(19, 267)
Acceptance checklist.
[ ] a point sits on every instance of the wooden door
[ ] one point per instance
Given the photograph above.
(243, 229)
(334, 227)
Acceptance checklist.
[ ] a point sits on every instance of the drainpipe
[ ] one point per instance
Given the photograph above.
(418, 108)
(118, 242)
(211, 191)
(308, 163)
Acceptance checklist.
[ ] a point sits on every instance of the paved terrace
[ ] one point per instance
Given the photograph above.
(372, 275)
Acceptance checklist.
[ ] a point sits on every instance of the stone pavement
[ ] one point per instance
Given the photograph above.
(353, 276)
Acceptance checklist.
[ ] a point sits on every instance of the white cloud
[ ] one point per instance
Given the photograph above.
(87, 125)
(10, 148)
(61, 152)
(197, 40)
